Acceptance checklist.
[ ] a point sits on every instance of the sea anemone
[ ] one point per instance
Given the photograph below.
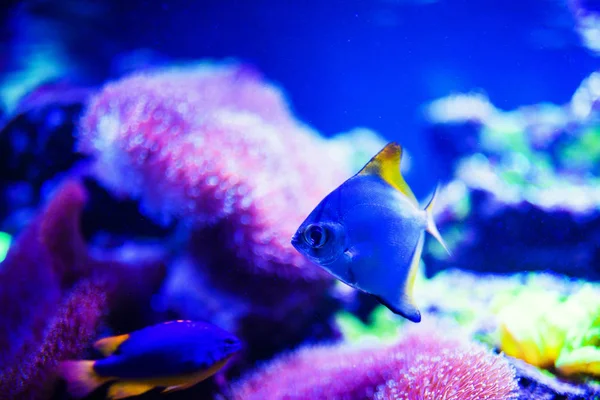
(424, 363)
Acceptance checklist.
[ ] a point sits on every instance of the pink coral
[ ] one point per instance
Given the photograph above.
(53, 295)
(423, 364)
(215, 144)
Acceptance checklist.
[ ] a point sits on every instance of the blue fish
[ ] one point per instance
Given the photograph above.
(369, 233)
(175, 355)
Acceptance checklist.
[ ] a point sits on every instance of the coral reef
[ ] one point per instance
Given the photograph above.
(54, 295)
(528, 193)
(215, 150)
(538, 384)
(423, 363)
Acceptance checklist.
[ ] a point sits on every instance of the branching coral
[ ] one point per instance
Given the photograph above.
(54, 295)
(67, 334)
(423, 364)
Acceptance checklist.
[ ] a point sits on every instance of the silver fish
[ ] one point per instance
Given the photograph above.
(369, 233)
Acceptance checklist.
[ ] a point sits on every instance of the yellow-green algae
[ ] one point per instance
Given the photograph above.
(552, 331)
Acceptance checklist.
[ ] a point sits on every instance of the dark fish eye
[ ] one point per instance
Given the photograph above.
(315, 236)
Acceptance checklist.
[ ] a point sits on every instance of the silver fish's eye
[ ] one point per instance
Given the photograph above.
(315, 236)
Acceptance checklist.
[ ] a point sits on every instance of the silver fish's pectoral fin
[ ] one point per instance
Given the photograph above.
(400, 301)
(431, 227)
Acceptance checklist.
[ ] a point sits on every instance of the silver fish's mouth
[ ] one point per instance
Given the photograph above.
(296, 241)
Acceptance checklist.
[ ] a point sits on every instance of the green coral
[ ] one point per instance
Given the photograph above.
(382, 324)
(549, 330)
(584, 153)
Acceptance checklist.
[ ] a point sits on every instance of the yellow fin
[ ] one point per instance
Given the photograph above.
(386, 164)
(123, 389)
(80, 377)
(109, 345)
(412, 272)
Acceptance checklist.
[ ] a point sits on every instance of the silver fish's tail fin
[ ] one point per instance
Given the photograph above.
(431, 227)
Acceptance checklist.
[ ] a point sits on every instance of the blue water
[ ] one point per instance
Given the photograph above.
(341, 64)
(354, 63)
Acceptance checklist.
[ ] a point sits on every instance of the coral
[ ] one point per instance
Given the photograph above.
(537, 384)
(36, 147)
(559, 320)
(587, 17)
(549, 331)
(423, 363)
(525, 185)
(54, 294)
(212, 145)
(66, 335)
(5, 240)
(382, 324)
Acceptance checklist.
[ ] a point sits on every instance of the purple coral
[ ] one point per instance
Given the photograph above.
(66, 336)
(423, 364)
(53, 295)
(214, 145)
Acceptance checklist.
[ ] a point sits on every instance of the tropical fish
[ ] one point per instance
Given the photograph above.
(369, 233)
(175, 355)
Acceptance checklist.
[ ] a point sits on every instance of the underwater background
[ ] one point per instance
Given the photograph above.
(156, 158)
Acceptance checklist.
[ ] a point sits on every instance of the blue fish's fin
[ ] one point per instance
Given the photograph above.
(431, 227)
(109, 345)
(197, 377)
(178, 387)
(123, 389)
(386, 164)
(80, 377)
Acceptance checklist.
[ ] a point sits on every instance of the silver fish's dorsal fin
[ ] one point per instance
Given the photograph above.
(386, 164)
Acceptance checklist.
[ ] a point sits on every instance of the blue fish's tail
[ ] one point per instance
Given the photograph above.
(431, 227)
(80, 377)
